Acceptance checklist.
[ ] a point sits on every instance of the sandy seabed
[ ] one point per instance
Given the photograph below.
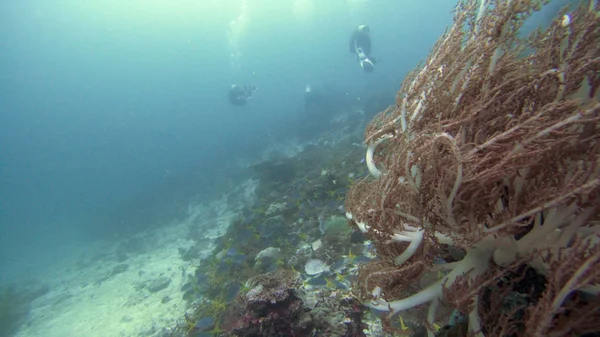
(93, 294)
(87, 298)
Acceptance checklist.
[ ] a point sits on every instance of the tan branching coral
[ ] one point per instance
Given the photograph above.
(493, 147)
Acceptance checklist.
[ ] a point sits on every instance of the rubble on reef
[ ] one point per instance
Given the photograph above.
(274, 306)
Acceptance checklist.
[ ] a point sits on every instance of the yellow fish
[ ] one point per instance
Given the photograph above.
(402, 325)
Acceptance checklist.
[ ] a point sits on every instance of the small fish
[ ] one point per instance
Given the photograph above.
(187, 286)
(239, 258)
(340, 285)
(339, 265)
(439, 260)
(223, 266)
(362, 259)
(232, 291)
(244, 234)
(317, 282)
(200, 276)
(205, 323)
(248, 219)
(231, 252)
(190, 294)
(402, 325)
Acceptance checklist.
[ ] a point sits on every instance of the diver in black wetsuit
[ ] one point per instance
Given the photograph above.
(312, 99)
(239, 94)
(360, 44)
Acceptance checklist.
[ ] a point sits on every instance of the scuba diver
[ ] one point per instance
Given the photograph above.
(312, 99)
(239, 94)
(360, 44)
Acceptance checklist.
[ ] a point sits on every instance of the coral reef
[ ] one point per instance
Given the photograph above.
(491, 150)
(274, 306)
(273, 236)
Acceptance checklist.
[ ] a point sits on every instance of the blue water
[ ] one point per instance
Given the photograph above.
(104, 105)
(113, 113)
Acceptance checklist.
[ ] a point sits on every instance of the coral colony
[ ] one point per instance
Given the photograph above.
(490, 159)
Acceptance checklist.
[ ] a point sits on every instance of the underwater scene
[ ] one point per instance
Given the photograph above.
(300, 168)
